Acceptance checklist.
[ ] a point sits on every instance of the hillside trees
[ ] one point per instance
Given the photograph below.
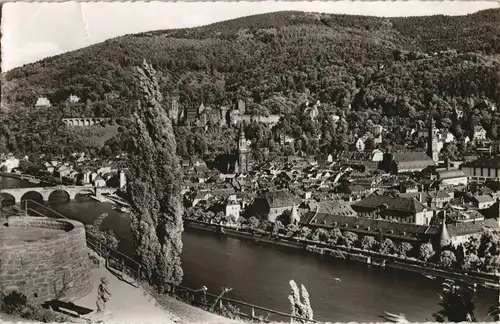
(154, 188)
(389, 71)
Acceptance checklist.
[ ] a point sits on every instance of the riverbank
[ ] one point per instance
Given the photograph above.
(371, 258)
(26, 177)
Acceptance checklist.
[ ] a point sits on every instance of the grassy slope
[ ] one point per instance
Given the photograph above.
(96, 135)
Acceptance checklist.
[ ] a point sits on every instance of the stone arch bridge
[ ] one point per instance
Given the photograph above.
(89, 121)
(45, 192)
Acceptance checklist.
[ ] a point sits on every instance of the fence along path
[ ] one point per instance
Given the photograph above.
(198, 297)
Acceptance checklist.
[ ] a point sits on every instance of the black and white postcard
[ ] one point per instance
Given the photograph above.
(250, 162)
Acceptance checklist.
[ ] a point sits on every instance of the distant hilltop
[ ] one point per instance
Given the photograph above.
(391, 71)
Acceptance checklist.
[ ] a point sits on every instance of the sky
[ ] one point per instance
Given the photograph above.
(33, 31)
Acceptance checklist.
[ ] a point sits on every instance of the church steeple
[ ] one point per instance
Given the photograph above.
(242, 152)
(432, 141)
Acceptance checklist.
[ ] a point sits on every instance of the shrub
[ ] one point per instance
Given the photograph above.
(426, 252)
(447, 258)
(17, 304)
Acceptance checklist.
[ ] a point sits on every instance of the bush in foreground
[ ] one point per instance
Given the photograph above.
(17, 304)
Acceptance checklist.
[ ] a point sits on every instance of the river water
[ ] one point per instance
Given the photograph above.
(260, 274)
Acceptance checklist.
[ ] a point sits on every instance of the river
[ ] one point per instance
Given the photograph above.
(260, 274)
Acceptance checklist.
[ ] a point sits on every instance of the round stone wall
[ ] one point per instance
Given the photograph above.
(43, 257)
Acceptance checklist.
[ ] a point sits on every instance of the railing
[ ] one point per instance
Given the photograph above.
(116, 260)
(228, 306)
(210, 302)
(26, 208)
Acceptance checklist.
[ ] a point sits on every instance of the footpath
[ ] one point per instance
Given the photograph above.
(129, 304)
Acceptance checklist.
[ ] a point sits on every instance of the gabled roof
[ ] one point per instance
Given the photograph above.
(450, 174)
(412, 157)
(459, 229)
(409, 205)
(483, 198)
(336, 207)
(280, 198)
(362, 224)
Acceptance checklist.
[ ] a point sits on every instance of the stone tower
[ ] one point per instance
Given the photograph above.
(432, 141)
(294, 215)
(242, 152)
(123, 179)
(444, 237)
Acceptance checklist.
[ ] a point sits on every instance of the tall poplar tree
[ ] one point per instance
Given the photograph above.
(154, 186)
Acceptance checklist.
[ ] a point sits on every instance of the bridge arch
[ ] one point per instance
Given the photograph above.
(7, 199)
(52, 195)
(33, 195)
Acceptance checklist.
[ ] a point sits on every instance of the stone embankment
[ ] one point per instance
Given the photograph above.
(353, 254)
(44, 258)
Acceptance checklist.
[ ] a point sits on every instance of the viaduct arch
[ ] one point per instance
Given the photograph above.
(86, 121)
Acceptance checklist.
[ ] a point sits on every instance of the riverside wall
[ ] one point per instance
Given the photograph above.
(41, 269)
(353, 254)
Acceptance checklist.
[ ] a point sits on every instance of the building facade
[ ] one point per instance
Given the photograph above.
(482, 169)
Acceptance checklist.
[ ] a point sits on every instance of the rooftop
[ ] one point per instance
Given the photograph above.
(280, 198)
(410, 205)
(484, 162)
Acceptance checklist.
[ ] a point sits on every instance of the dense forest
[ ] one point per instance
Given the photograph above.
(389, 71)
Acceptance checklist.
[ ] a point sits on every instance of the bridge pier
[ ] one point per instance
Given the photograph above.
(46, 195)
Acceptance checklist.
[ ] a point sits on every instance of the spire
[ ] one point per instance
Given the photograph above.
(445, 237)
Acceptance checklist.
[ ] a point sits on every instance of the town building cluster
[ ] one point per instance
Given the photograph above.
(77, 170)
(422, 199)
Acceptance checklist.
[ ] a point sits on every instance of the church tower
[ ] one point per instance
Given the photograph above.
(432, 141)
(242, 152)
(444, 235)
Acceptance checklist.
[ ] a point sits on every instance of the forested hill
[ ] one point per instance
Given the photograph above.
(378, 67)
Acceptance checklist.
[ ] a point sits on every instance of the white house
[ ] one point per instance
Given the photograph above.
(233, 208)
(10, 164)
(43, 102)
(377, 155)
(479, 133)
(452, 177)
(483, 201)
(449, 138)
(99, 182)
(73, 99)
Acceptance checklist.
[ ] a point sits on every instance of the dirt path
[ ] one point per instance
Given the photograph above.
(127, 304)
